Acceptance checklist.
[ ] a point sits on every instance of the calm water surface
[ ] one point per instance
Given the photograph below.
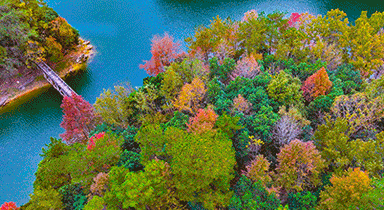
(121, 32)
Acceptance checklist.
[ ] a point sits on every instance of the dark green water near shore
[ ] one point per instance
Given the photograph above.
(121, 32)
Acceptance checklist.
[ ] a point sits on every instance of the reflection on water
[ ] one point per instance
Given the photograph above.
(121, 32)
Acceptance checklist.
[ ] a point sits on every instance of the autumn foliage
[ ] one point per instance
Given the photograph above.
(78, 120)
(190, 96)
(346, 191)
(316, 85)
(220, 127)
(100, 185)
(258, 170)
(163, 51)
(9, 206)
(246, 67)
(299, 166)
(295, 17)
(251, 14)
(91, 141)
(242, 105)
(203, 121)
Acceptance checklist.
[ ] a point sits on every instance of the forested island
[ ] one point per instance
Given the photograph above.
(30, 31)
(274, 111)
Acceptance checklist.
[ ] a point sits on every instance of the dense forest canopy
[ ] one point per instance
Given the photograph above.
(31, 31)
(270, 112)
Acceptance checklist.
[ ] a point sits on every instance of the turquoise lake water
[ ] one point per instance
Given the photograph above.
(121, 32)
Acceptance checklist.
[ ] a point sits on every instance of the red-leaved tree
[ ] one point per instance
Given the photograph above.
(92, 140)
(203, 121)
(78, 120)
(164, 51)
(294, 19)
(316, 85)
(9, 206)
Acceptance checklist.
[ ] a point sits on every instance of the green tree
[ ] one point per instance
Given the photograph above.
(45, 199)
(130, 160)
(86, 163)
(351, 79)
(115, 107)
(116, 179)
(64, 33)
(221, 71)
(263, 122)
(96, 203)
(202, 166)
(285, 89)
(362, 112)
(53, 170)
(14, 35)
(228, 124)
(148, 189)
(374, 197)
(252, 195)
(198, 162)
(302, 201)
(341, 153)
(73, 197)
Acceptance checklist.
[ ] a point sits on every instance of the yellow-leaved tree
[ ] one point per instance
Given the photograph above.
(190, 96)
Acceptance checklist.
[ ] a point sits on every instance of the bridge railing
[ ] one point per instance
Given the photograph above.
(58, 83)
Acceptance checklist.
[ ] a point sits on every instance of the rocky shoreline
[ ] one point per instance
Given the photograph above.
(77, 61)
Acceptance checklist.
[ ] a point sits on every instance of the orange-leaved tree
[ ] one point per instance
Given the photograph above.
(346, 191)
(190, 96)
(203, 121)
(316, 85)
(79, 119)
(163, 51)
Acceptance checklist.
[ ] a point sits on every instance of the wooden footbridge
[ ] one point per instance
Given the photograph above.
(55, 80)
